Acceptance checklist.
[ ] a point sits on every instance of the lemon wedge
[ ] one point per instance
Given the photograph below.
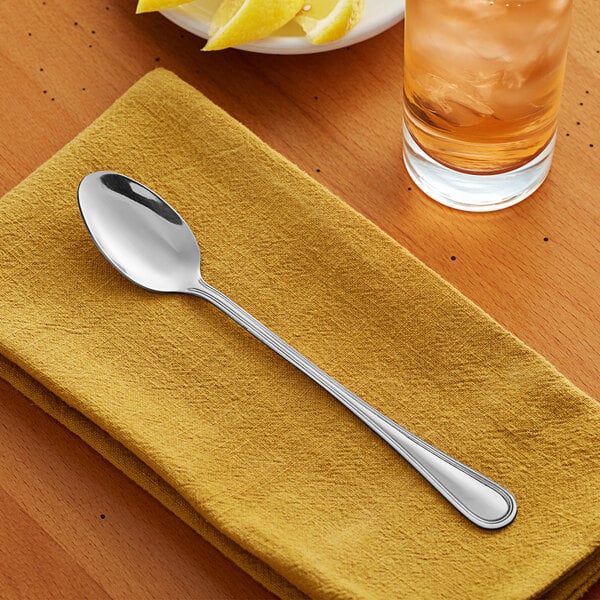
(238, 22)
(328, 20)
(152, 5)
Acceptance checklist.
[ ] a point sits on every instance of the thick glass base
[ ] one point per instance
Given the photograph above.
(475, 193)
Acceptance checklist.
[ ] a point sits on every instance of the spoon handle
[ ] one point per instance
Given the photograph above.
(478, 498)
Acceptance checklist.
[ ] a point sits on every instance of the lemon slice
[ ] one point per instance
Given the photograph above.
(238, 22)
(328, 20)
(152, 5)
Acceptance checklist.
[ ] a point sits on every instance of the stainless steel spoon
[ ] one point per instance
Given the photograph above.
(150, 244)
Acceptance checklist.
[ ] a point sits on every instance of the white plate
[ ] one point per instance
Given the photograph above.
(379, 15)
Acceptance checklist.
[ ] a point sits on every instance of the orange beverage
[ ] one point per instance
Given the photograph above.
(483, 79)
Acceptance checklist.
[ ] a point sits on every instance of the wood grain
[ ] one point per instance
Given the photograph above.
(534, 267)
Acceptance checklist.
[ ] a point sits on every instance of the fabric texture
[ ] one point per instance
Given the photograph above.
(248, 451)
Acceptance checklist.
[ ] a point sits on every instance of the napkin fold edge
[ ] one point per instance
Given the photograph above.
(136, 470)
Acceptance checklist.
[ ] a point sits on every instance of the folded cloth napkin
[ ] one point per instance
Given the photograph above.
(251, 453)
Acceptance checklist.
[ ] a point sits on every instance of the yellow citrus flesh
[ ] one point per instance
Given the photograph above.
(152, 5)
(238, 22)
(328, 20)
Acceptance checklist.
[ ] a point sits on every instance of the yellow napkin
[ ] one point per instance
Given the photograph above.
(244, 448)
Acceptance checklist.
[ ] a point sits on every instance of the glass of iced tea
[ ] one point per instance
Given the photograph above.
(482, 87)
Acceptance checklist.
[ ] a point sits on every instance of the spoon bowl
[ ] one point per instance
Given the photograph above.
(143, 237)
(148, 242)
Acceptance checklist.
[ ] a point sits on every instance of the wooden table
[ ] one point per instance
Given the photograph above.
(71, 525)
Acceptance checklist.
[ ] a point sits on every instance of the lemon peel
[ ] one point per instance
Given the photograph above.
(144, 6)
(238, 22)
(325, 22)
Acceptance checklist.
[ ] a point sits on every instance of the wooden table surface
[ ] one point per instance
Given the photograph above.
(71, 525)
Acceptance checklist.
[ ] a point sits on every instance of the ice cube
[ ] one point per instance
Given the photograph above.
(458, 103)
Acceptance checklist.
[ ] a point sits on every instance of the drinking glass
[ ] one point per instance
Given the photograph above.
(482, 87)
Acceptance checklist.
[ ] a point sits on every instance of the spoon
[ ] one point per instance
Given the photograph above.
(149, 243)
